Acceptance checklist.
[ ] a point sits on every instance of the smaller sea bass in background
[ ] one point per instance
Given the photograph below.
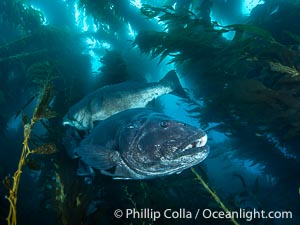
(111, 99)
(141, 144)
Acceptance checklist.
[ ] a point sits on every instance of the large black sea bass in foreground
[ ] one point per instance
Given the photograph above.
(141, 144)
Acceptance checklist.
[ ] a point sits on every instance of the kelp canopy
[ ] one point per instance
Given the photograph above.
(252, 79)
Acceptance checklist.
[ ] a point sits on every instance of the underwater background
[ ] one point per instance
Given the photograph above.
(239, 62)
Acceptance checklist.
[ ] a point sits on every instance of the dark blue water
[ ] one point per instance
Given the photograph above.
(239, 62)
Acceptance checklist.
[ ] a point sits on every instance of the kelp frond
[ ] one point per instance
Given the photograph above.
(40, 112)
(108, 12)
(250, 30)
(187, 37)
(214, 195)
(41, 72)
(20, 16)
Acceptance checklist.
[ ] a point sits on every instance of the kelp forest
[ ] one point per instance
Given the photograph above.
(241, 73)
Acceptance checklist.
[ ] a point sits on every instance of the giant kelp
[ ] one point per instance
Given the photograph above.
(240, 72)
(244, 99)
(41, 111)
(112, 68)
(185, 37)
(109, 18)
(109, 12)
(29, 62)
(18, 18)
(280, 18)
(253, 54)
(42, 71)
(213, 194)
(114, 19)
(38, 45)
(31, 59)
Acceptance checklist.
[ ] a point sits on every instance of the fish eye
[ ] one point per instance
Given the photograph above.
(164, 123)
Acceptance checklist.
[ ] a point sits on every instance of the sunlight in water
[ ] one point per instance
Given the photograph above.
(77, 14)
(44, 19)
(249, 5)
(85, 26)
(92, 45)
(136, 3)
(82, 21)
(131, 32)
(174, 5)
(91, 42)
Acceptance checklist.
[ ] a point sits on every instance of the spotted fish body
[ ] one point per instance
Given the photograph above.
(142, 144)
(112, 99)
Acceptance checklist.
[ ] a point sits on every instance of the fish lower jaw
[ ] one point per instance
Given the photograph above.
(197, 143)
(64, 123)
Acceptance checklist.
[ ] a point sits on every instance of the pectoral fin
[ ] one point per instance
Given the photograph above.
(97, 157)
(84, 170)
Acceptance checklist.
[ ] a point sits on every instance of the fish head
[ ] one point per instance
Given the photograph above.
(157, 145)
(77, 117)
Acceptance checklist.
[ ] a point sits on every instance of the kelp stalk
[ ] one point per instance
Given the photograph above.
(12, 198)
(39, 113)
(213, 194)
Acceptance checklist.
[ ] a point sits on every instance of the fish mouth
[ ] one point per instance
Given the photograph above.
(196, 146)
(66, 120)
(74, 124)
(198, 143)
(64, 123)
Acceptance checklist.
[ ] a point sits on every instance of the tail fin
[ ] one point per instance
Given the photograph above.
(171, 79)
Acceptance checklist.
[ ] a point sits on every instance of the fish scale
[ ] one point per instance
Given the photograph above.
(111, 99)
(134, 136)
